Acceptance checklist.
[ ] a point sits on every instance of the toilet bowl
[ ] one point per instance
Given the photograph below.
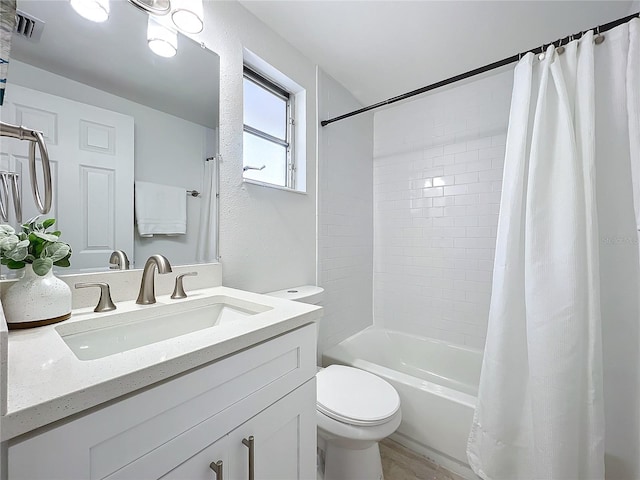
(354, 411)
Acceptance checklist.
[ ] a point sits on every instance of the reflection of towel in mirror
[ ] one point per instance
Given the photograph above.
(160, 209)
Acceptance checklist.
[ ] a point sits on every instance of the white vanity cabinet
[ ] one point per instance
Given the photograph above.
(176, 429)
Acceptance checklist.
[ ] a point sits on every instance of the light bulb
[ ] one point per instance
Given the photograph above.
(162, 40)
(188, 15)
(94, 10)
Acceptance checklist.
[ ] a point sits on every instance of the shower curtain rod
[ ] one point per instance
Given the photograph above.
(478, 71)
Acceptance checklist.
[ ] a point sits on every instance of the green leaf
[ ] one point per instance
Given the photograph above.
(48, 222)
(64, 262)
(57, 233)
(9, 242)
(45, 236)
(56, 251)
(17, 254)
(13, 265)
(41, 266)
(6, 230)
(37, 248)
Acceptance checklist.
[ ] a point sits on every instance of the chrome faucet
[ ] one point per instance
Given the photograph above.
(119, 260)
(147, 293)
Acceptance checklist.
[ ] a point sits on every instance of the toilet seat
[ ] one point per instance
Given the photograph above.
(353, 396)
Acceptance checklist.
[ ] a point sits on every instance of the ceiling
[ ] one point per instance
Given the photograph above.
(380, 49)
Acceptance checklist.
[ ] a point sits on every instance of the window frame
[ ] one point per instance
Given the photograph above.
(283, 94)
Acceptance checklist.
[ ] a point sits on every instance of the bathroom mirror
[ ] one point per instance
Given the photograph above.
(113, 112)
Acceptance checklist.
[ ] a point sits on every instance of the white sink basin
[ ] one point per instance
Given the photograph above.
(104, 334)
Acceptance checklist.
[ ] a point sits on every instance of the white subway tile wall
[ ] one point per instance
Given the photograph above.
(345, 217)
(438, 164)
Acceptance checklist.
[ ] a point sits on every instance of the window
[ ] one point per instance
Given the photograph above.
(268, 131)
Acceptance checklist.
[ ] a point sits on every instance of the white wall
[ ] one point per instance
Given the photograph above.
(635, 7)
(267, 236)
(437, 177)
(158, 156)
(345, 214)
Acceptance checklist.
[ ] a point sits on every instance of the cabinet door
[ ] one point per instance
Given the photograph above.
(284, 440)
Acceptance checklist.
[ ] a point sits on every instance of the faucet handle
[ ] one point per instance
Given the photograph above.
(105, 304)
(178, 291)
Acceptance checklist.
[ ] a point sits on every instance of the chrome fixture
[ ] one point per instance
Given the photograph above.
(119, 260)
(33, 136)
(193, 193)
(217, 468)
(186, 16)
(251, 445)
(147, 294)
(178, 290)
(105, 304)
(154, 7)
(94, 10)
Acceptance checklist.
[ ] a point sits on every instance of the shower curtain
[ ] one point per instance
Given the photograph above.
(545, 388)
(208, 231)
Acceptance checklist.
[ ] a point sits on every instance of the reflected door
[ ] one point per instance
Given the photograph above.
(92, 160)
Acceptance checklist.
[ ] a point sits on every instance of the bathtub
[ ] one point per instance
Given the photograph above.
(437, 382)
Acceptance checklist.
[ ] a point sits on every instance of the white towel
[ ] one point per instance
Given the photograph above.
(160, 209)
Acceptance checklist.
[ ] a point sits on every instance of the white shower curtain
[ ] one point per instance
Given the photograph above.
(540, 412)
(208, 233)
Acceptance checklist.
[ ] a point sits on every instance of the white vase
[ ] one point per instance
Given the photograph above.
(34, 301)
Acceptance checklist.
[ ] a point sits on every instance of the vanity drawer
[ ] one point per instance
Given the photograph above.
(98, 444)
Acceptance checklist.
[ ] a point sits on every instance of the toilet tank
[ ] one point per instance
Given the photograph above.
(304, 293)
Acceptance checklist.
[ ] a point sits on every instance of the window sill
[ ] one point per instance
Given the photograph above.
(271, 185)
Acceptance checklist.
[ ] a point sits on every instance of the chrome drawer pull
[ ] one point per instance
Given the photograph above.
(217, 468)
(250, 444)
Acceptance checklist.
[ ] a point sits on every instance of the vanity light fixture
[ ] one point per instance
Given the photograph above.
(154, 7)
(188, 15)
(94, 10)
(162, 40)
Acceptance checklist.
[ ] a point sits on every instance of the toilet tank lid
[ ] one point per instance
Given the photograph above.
(304, 293)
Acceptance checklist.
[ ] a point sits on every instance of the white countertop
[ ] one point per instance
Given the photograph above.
(46, 382)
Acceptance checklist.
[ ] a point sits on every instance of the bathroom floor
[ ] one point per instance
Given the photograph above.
(400, 463)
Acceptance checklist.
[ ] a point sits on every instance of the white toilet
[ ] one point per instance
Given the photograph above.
(354, 410)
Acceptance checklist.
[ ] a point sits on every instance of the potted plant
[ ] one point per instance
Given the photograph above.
(38, 297)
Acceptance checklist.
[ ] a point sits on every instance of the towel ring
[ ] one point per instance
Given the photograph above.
(33, 136)
(46, 171)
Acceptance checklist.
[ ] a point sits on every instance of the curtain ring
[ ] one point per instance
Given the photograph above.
(560, 49)
(599, 38)
(541, 55)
